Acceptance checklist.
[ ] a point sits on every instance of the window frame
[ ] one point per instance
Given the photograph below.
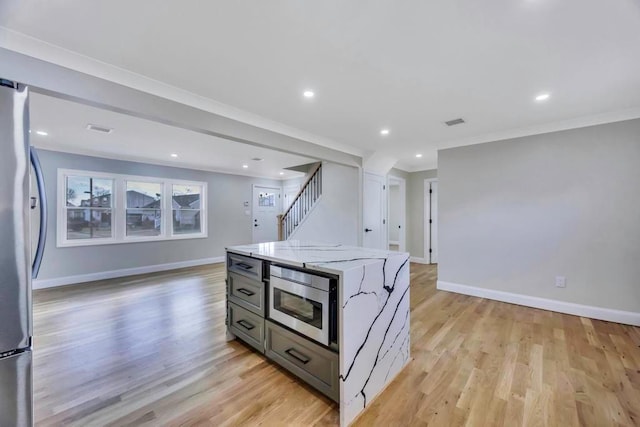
(119, 209)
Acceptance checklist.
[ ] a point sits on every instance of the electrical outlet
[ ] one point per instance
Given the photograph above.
(561, 282)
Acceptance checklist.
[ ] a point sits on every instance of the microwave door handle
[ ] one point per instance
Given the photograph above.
(42, 235)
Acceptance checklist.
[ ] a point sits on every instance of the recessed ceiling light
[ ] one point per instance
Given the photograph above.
(281, 173)
(418, 155)
(245, 166)
(384, 132)
(174, 155)
(308, 94)
(42, 133)
(543, 97)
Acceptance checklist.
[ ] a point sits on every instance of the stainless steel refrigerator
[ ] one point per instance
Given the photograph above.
(18, 161)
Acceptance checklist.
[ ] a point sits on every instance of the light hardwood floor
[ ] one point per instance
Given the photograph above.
(150, 350)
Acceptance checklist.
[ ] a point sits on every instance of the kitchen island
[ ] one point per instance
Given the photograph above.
(372, 310)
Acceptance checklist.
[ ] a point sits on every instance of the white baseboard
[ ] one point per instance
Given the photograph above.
(103, 275)
(608, 314)
(418, 260)
(394, 242)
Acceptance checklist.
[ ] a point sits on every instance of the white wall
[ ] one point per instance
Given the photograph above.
(514, 214)
(335, 218)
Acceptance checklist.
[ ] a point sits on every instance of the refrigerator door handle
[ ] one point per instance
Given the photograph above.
(42, 235)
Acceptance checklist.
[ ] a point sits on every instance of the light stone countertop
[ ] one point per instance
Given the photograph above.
(330, 258)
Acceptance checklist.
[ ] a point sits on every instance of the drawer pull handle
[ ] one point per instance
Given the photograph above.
(247, 292)
(248, 326)
(244, 265)
(297, 355)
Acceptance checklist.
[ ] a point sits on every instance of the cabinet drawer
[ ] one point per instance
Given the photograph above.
(246, 293)
(247, 326)
(315, 365)
(249, 267)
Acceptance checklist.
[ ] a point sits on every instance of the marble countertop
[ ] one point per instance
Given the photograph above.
(330, 258)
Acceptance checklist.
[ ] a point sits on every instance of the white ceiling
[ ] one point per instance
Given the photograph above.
(408, 66)
(133, 138)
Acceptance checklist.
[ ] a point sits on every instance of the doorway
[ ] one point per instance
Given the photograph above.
(397, 213)
(266, 207)
(431, 220)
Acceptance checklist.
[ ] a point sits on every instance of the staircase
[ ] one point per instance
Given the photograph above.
(302, 204)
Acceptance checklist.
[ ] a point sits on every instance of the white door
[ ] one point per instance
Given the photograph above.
(431, 221)
(266, 207)
(374, 202)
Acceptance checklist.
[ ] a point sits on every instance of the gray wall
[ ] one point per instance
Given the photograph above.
(415, 211)
(227, 222)
(514, 214)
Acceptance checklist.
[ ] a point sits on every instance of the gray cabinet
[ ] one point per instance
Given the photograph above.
(245, 266)
(246, 293)
(314, 364)
(247, 326)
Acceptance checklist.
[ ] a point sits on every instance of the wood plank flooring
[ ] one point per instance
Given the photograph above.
(150, 351)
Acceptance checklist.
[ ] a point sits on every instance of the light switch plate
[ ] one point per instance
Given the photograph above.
(561, 282)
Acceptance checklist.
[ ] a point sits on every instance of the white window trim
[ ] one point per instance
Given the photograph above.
(119, 210)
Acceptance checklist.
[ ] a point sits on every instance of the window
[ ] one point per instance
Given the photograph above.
(144, 209)
(97, 208)
(267, 200)
(89, 206)
(185, 203)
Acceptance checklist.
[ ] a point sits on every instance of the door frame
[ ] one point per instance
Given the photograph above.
(426, 217)
(253, 206)
(402, 235)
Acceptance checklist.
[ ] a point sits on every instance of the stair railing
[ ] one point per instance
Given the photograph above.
(302, 204)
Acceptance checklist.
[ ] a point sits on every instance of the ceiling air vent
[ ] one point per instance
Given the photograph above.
(454, 122)
(100, 129)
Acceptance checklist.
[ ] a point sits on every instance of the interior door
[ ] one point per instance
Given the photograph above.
(373, 202)
(266, 207)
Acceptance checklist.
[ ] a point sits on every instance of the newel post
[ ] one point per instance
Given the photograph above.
(280, 230)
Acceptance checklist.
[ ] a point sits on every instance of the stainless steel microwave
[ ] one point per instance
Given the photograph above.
(304, 302)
